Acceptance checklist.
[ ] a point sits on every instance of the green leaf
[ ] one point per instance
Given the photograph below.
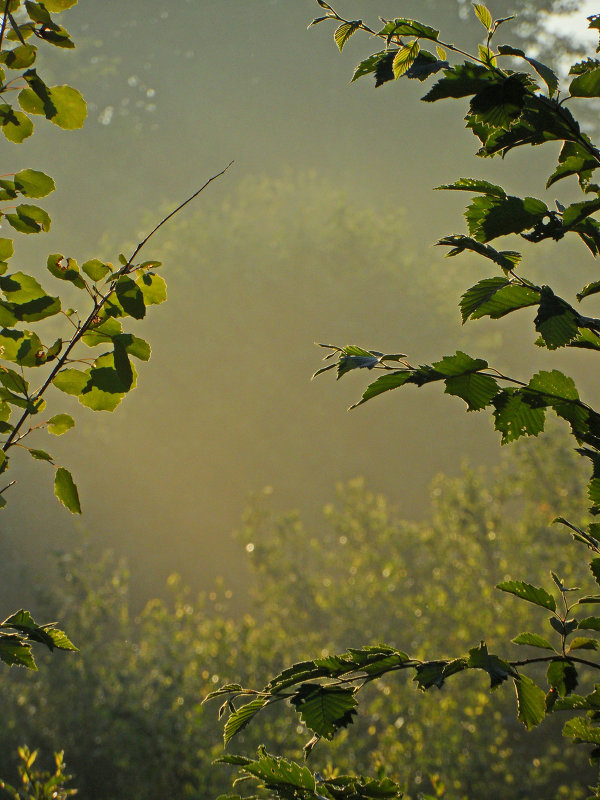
(153, 288)
(586, 85)
(62, 105)
(238, 720)
(476, 390)
(71, 381)
(391, 380)
(344, 32)
(369, 65)
(556, 321)
(19, 57)
(29, 219)
(489, 217)
(325, 709)
(459, 364)
(60, 424)
(408, 27)
(525, 591)
(33, 183)
(405, 58)
(65, 269)
(96, 269)
(562, 676)
(21, 347)
(581, 730)
(460, 81)
(131, 298)
(548, 76)
(517, 414)
(475, 185)
(66, 491)
(15, 651)
(109, 381)
(56, 6)
(483, 15)
(496, 297)
(531, 701)
(588, 289)
(497, 669)
(13, 381)
(16, 126)
(555, 384)
(589, 624)
(533, 640)
(40, 455)
(7, 249)
(60, 640)
(583, 643)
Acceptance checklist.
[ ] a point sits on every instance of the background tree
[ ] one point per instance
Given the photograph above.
(360, 573)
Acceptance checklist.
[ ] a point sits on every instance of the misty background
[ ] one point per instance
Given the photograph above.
(322, 230)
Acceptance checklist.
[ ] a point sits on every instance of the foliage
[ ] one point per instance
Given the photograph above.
(507, 109)
(37, 784)
(110, 294)
(361, 573)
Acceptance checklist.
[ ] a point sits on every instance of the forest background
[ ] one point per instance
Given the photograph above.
(322, 232)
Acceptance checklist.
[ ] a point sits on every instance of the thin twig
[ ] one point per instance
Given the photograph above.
(98, 304)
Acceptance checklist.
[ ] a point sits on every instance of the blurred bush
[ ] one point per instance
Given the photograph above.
(127, 710)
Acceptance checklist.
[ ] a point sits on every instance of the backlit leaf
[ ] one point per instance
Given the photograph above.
(531, 701)
(533, 640)
(325, 709)
(533, 594)
(238, 720)
(60, 424)
(66, 491)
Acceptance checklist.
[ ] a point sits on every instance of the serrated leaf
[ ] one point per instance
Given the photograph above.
(531, 701)
(476, 390)
(546, 74)
(489, 217)
(556, 321)
(408, 27)
(554, 384)
(15, 651)
(589, 624)
(497, 669)
(581, 730)
(586, 84)
(459, 364)
(405, 58)
(483, 15)
(66, 490)
(325, 709)
(391, 380)
(525, 591)
(242, 717)
(60, 640)
(475, 185)
(344, 32)
(517, 414)
(60, 424)
(583, 643)
(533, 640)
(588, 289)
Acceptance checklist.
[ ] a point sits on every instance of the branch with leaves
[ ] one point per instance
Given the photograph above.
(507, 108)
(102, 374)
